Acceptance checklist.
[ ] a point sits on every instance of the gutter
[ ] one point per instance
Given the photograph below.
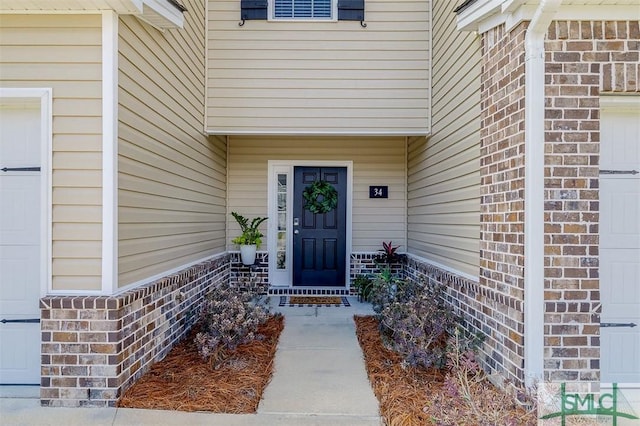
(534, 191)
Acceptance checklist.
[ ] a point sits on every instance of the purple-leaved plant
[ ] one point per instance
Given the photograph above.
(229, 317)
(416, 320)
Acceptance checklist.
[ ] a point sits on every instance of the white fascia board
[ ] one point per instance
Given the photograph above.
(490, 22)
(469, 18)
(484, 15)
(597, 13)
(575, 13)
(162, 13)
(229, 132)
(70, 6)
(509, 6)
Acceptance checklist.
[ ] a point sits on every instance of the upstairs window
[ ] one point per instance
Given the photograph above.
(327, 10)
(303, 9)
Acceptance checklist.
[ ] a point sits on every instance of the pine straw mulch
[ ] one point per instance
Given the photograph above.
(411, 396)
(183, 381)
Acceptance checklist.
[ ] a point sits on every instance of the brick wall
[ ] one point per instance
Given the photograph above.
(583, 61)
(485, 311)
(501, 289)
(256, 275)
(94, 348)
(365, 264)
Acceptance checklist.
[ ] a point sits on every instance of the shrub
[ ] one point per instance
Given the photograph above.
(363, 285)
(414, 319)
(483, 403)
(383, 289)
(229, 318)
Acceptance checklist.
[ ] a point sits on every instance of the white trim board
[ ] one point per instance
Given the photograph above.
(44, 98)
(233, 132)
(109, 152)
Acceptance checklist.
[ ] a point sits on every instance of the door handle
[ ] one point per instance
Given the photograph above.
(296, 231)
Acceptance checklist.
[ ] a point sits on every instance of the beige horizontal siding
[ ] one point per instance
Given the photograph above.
(320, 77)
(172, 177)
(63, 52)
(376, 161)
(444, 170)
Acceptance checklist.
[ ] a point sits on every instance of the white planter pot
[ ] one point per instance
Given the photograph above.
(248, 254)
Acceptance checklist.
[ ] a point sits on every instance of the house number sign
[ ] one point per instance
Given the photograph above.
(379, 191)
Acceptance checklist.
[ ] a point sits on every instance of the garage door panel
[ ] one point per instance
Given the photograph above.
(620, 242)
(621, 369)
(19, 293)
(620, 207)
(621, 300)
(620, 149)
(20, 244)
(20, 210)
(17, 359)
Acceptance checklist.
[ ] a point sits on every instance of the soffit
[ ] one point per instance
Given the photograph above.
(481, 15)
(159, 13)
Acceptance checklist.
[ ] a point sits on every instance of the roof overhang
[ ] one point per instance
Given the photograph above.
(159, 13)
(482, 15)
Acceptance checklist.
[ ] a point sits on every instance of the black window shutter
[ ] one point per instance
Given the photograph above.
(253, 9)
(351, 10)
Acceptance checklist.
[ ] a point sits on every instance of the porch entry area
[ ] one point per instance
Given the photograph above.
(308, 226)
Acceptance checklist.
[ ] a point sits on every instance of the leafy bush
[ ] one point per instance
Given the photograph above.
(229, 317)
(363, 285)
(414, 319)
(383, 289)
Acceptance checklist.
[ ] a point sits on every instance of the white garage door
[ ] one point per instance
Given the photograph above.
(620, 242)
(20, 235)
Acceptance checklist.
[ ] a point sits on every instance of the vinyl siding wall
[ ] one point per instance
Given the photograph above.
(444, 170)
(270, 77)
(376, 161)
(172, 179)
(63, 52)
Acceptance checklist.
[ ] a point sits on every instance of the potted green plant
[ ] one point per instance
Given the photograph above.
(250, 238)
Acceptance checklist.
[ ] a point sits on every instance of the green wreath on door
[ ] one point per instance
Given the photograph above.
(320, 197)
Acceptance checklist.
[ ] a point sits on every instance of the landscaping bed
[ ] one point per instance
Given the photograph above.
(420, 396)
(184, 381)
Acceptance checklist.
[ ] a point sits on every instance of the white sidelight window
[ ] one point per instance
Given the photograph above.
(279, 224)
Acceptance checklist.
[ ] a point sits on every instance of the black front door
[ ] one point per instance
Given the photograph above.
(319, 238)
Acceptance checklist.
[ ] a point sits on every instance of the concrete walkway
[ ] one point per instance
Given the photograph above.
(319, 379)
